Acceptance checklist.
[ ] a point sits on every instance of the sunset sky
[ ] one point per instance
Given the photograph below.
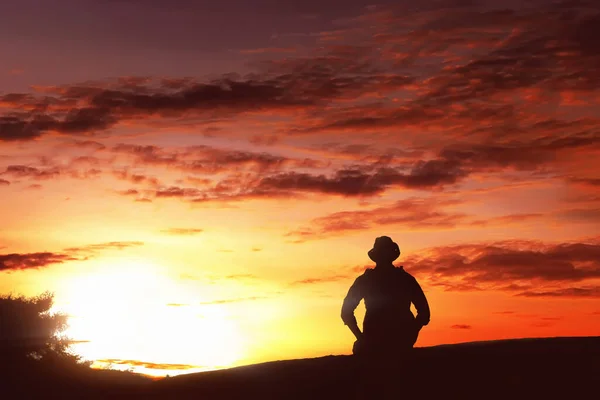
(199, 182)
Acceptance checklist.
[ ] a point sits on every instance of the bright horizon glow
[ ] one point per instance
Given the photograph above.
(122, 311)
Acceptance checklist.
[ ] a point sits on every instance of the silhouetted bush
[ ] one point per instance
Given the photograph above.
(28, 330)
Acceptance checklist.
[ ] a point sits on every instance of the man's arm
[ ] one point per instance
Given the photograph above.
(351, 301)
(421, 304)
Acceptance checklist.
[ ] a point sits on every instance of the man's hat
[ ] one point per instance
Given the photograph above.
(384, 250)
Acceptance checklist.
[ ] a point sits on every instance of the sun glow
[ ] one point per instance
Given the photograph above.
(131, 310)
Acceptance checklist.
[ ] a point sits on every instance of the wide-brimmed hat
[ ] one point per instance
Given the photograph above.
(384, 250)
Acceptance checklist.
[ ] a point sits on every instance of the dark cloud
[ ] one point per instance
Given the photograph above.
(527, 268)
(323, 279)
(23, 171)
(358, 182)
(16, 261)
(86, 120)
(411, 213)
(14, 128)
(241, 174)
(182, 231)
(452, 166)
(83, 120)
(236, 300)
(517, 155)
(435, 66)
(91, 248)
(505, 220)
(211, 160)
(472, 76)
(76, 169)
(587, 215)
(586, 181)
(19, 262)
(88, 144)
(104, 107)
(233, 174)
(86, 160)
(4, 182)
(573, 292)
(151, 155)
(85, 174)
(225, 191)
(461, 326)
(129, 192)
(175, 191)
(224, 95)
(264, 140)
(136, 178)
(347, 182)
(541, 45)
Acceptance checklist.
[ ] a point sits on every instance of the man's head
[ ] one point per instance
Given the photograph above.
(385, 250)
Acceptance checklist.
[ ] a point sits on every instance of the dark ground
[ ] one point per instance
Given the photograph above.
(556, 368)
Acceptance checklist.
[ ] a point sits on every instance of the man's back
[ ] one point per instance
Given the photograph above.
(388, 292)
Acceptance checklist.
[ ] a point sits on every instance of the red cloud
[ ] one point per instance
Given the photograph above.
(412, 213)
(461, 326)
(23, 171)
(182, 231)
(461, 91)
(104, 246)
(530, 268)
(16, 262)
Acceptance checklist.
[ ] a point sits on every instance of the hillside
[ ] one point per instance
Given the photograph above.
(542, 368)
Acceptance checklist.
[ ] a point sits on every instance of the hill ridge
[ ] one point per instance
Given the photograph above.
(525, 368)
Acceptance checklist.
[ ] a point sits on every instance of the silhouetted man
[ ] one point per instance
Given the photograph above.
(389, 325)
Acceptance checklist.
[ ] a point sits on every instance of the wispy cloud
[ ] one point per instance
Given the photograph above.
(182, 231)
(25, 261)
(583, 292)
(234, 300)
(322, 279)
(90, 248)
(148, 365)
(414, 213)
(461, 326)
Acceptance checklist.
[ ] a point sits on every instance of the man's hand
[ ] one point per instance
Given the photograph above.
(358, 347)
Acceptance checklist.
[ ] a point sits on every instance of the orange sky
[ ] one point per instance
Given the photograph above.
(191, 222)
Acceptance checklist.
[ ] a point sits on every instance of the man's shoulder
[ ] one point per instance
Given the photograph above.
(402, 272)
(367, 272)
(365, 275)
